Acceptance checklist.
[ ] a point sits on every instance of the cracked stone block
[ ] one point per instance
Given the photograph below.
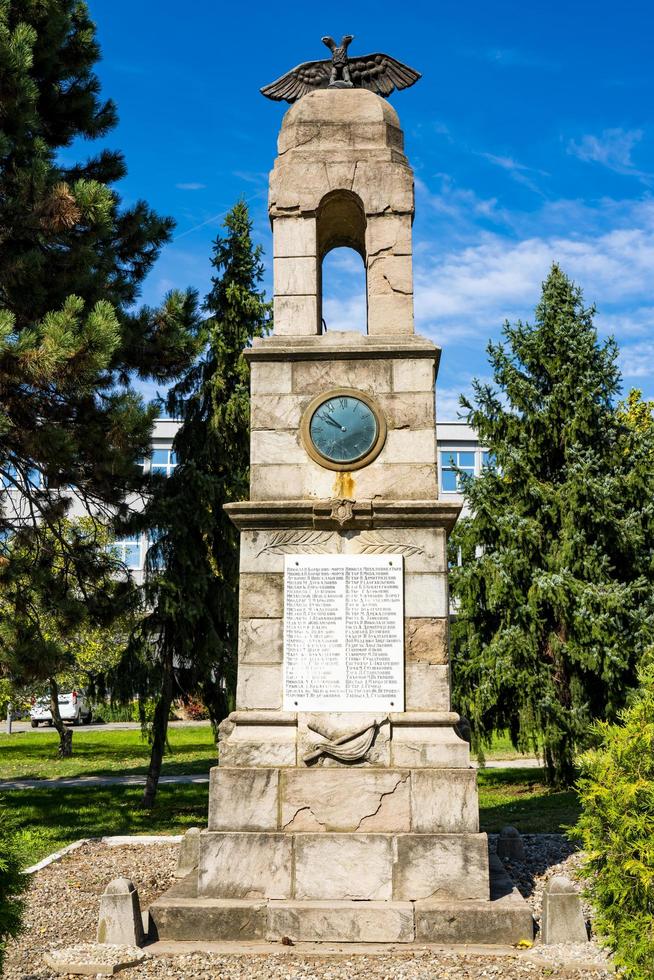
(414, 374)
(343, 866)
(410, 446)
(358, 922)
(245, 865)
(271, 377)
(243, 799)
(268, 446)
(276, 411)
(427, 687)
(261, 641)
(426, 640)
(294, 237)
(345, 800)
(442, 867)
(310, 377)
(259, 686)
(296, 316)
(390, 312)
(430, 747)
(444, 801)
(261, 596)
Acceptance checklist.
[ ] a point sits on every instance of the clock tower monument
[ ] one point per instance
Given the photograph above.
(343, 807)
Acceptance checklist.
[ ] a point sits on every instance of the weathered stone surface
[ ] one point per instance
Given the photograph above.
(181, 915)
(426, 640)
(261, 641)
(258, 754)
(427, 687)
(361, 922)
(343, 866)
(441, 866)
(243, 799)
(395, 481)
(410, 446)
(390, 313)
(259, 686)
(417, 374)
(563, 919)
(269, 446)
(345, 800)
(294, 237)
(271, 377)
(120, 921)
(511, 845)
(310, 377)
(444, 801)
(409, 410)
(188, 854)
(261, 596)
(295, 276)
(388, 233)
(426, 594)
(421, 548)
(504, 922)
(93, 959)
(236, 865)
(277, 411)
(336, 724)
(296, 316)
(430, 747)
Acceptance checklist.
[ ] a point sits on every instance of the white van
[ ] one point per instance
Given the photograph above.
(73, 708)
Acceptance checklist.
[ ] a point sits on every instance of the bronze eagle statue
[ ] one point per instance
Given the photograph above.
(378, 73)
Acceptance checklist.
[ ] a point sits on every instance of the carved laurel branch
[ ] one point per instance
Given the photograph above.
(294, 542)
(376, 543)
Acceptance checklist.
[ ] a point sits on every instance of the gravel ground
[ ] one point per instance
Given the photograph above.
(63, 909)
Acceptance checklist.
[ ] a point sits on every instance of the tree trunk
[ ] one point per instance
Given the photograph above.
(65, 734)
(159, 733)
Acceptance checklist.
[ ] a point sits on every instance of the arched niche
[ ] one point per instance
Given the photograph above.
(340, 223)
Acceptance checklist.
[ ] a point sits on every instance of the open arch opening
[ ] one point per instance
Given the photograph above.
(344, 300)
(341, 240)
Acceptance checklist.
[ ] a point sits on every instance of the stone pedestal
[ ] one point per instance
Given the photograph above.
(381, 845)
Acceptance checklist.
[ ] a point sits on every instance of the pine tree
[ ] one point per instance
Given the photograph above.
(72, 260)
(192, 584)
(13, 883)
(554, 583)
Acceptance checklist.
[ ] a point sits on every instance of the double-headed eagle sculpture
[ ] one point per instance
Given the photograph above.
(377, 72)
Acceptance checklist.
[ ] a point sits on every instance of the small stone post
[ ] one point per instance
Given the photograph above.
(563, 919)
(510, 845)
(189, 850)
(120, 921)
(10, 710)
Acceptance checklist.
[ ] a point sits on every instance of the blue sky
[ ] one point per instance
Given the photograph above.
(531, 135)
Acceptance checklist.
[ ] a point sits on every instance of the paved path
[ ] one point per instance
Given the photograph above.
(23, 727)
(78, 782)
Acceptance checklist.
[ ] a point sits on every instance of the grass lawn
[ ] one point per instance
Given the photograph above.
(33, 754)
(501, 749)
(520, 798)
(50, 818)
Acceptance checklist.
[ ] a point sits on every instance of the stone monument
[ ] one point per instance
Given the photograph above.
(344, 807)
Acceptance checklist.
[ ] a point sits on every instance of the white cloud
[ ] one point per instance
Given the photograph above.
(448, 408)
(191, 186)
(612, 149)
(637, 361)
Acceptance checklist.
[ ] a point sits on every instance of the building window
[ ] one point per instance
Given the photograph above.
(163, 461)
(452, 460)
(488, 460)
(128, 550)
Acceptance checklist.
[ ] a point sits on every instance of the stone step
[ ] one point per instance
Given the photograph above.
(183, 917)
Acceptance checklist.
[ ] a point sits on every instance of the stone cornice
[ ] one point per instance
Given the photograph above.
(342, 514)
(341, 347)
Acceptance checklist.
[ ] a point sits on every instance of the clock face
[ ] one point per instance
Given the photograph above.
(343, 428)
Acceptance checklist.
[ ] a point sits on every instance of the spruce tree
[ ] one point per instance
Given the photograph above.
(552, 570)
(192, 579)
(72, 260)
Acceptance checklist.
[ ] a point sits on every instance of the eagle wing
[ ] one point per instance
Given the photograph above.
(381, 74)
(298, 81)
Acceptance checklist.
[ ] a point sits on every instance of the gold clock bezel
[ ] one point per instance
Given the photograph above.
(317, 456)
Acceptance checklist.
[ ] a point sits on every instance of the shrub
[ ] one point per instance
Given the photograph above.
(12, 882)
(616, 827)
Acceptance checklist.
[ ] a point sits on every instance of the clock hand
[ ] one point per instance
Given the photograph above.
(328, 418)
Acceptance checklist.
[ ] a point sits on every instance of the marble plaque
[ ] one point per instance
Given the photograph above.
(343, 633)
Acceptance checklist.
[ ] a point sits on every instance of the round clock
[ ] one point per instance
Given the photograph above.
(343, 429)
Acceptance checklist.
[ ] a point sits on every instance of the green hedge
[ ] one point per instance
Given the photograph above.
(12, 882)
(616, 827)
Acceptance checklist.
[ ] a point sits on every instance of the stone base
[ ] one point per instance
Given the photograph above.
(180, 915)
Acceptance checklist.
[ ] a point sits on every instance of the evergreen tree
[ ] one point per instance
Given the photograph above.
(71, 263)
(13, 883)
(554, 583)
(192, 583)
